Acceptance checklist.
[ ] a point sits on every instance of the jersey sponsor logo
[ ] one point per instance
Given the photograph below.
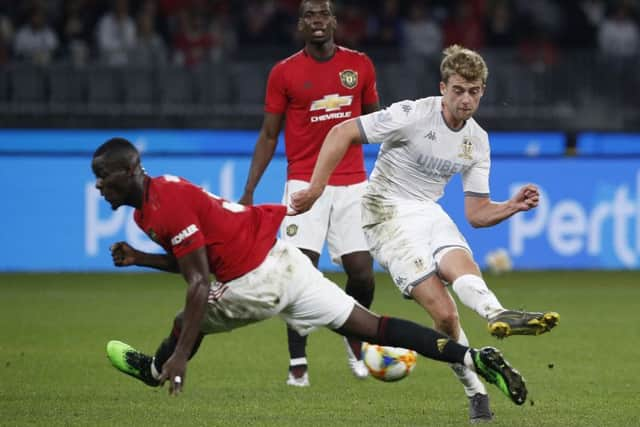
(349, 78)
(187, 232)
(406, 108)
(435, 166)
(466, 149)
(332, 102)
(292, 230)
(331, 116)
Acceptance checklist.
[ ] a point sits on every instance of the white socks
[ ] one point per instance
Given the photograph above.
(469, 379)
(468, 360)
(298, 361)
(473, 292)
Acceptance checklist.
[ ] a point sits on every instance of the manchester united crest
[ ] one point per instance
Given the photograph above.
(349, 78)
(466, 149)
(292, 229)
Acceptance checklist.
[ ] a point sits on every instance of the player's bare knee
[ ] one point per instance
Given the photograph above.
(358, 266)
(361, 324)
(456, 262)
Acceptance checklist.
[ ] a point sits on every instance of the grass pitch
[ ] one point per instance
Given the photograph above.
(54, 371)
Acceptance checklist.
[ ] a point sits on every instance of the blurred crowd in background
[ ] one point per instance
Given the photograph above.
(192, 32)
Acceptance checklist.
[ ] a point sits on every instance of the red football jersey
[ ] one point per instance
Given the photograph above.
(182, 217)
(314, 96)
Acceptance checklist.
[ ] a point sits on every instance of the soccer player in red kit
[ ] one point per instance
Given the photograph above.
(257, 277)
(311, 91)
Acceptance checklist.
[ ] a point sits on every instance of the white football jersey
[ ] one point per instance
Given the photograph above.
(420, 153)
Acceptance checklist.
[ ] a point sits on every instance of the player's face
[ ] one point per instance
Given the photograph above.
(461, 97)
(113, 182)
(317, 23)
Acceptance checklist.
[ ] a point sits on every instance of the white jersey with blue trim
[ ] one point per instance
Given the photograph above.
(420, 153)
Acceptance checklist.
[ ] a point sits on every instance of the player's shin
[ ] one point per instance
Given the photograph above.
(166, 349)
(474, 293)
(361, 291)
(426, 341)
(467, 376)
(297, 352)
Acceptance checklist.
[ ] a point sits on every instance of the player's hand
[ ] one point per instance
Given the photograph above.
(303, 200)
(123, 254)
(174, 370)
(526, 198)
(246, 199)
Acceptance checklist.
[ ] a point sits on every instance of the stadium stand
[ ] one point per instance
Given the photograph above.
(564, 77)
(105, 89)
(67, 87)
(139, 89)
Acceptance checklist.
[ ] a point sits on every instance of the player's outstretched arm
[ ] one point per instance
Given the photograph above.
(334, 147)
(483, 212)
(195, 270)
(262, 154)
(124, 255)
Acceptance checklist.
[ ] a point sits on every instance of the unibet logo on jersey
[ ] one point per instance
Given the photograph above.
(331, 104)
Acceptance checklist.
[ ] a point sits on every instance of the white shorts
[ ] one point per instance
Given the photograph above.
(335, 217)
(286, 283)
(409, 238)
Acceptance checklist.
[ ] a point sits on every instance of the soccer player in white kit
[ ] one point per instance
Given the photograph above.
(424, 143)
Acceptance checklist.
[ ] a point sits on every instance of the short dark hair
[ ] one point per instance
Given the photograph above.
(119, 151)
(303, 2)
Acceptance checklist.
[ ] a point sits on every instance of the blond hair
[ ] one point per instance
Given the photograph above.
(464, 62)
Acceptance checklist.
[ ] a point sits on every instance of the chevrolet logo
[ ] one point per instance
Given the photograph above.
(331, 102)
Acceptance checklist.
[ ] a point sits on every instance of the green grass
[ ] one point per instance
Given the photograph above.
(54, 372)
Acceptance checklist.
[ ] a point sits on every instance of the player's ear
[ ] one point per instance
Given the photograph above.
(443, 88)
(134, 168)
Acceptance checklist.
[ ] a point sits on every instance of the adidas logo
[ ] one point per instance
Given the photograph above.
(441, 343)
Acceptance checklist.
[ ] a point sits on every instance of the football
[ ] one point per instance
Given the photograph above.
(388, 363)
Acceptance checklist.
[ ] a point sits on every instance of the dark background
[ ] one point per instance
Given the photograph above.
(553, 65)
